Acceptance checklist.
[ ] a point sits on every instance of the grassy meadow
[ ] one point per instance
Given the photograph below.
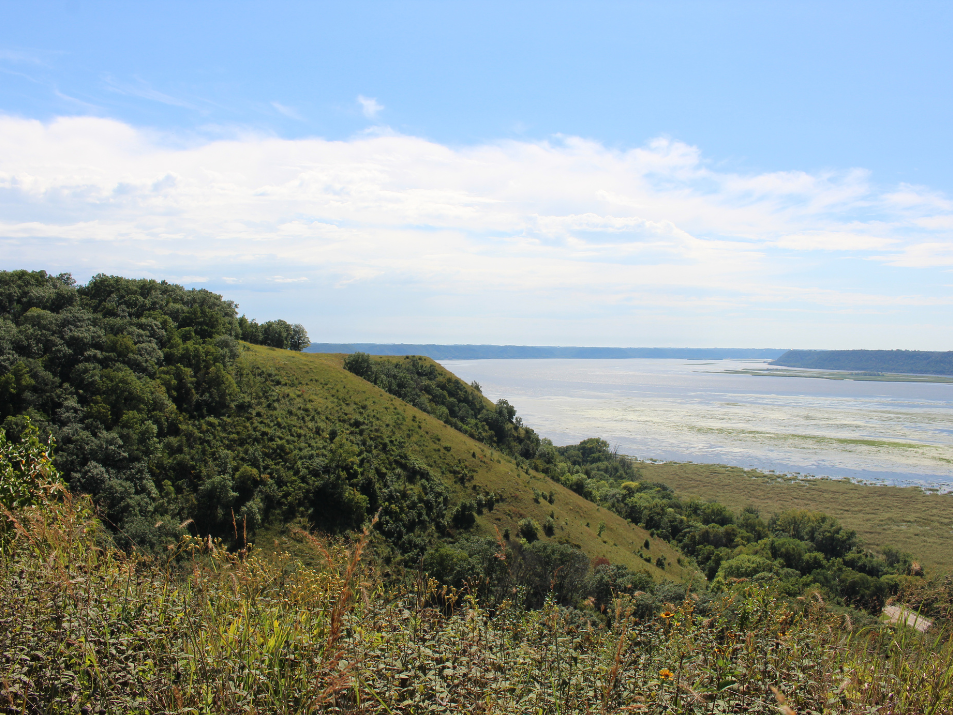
(906, 518)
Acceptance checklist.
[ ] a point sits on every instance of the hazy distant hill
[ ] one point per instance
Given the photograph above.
(918, 362)
(483, 352)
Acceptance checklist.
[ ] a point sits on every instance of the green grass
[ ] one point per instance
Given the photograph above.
(320, 382)
(904, 517)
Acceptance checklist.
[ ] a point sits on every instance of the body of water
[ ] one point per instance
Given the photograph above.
(687, 410)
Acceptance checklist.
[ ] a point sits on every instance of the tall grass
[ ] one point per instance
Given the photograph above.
(87, 628)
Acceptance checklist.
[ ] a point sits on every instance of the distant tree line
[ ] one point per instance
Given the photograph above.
(916, 362)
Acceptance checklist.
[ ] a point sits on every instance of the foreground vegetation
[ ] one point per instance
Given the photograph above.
(90, 628)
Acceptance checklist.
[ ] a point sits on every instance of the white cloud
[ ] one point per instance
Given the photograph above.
(923, 255)
(143, 90)
(370, 107)
(560, 226)
(187, 280)
(834, 241)
(19, 56)
(289, 112)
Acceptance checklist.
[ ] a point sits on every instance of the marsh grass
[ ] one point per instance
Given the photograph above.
(906, 518)
(87, 628)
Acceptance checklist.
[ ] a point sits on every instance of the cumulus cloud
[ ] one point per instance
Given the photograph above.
(370, 107)
(562, 225)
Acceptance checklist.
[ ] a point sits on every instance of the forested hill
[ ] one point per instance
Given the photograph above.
(522, 352)
(916, 362)
(172, 425)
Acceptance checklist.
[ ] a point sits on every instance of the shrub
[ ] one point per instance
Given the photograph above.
(528, 529)
(746, 566)
(360, 364)
(464, 516)
(27, 474)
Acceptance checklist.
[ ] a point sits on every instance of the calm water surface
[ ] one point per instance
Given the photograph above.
(690, 410)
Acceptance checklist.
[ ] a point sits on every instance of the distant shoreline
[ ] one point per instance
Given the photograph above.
(910, 362)
(845, 375)
(529, 352)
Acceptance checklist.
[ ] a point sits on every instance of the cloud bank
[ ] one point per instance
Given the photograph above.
(564, 241)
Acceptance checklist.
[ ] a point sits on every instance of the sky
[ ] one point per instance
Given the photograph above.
(733, 174)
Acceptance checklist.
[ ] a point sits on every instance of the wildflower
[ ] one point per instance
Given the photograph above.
(667, 614)
(666, 674)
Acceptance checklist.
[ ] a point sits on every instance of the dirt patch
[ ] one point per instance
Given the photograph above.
(902, 614)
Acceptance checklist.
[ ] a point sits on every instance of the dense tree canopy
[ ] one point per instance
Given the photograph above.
(123, 372)
(798, 549)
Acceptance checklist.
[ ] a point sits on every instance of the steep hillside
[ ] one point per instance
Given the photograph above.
(319, 384)
(174, 427)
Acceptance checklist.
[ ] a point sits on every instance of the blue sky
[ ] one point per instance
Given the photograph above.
(703, 173)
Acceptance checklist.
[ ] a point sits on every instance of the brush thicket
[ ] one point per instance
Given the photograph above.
(85, 627)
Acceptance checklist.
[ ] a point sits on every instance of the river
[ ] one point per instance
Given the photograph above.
(693, 410)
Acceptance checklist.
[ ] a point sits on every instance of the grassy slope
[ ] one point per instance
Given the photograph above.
(904, 517)
(320, 380)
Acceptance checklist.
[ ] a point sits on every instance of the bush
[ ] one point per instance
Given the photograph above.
(27, 474)
(361, 365)
(464, 516)
(746, 566)
(528, 529)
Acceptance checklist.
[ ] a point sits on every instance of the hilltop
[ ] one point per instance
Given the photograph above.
(169, 416)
